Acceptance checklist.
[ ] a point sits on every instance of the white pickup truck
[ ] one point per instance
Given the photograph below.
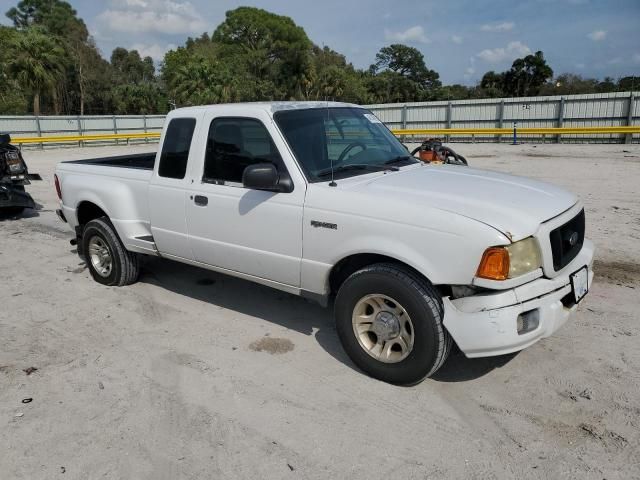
(321, 200)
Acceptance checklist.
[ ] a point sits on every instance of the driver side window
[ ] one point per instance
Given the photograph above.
(232, 145)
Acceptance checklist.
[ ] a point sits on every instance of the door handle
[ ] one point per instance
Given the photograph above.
(201, 200)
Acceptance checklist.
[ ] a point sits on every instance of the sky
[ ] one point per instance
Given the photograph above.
(460, 39)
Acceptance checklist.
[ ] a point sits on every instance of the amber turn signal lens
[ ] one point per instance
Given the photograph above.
(494, 264)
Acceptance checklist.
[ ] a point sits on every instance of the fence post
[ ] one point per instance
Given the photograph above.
(515, 133)
(629, 137)
(115, 128)
(39, 130)
(449, 117)
(144, 121)
(500, 119)
(560, 119)
(80, 144)
(403, 121)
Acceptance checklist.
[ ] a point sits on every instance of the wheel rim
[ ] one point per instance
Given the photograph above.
(383, 328)
(100, 256)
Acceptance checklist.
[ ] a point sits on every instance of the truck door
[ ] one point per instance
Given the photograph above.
(253, 232)
(167, 190)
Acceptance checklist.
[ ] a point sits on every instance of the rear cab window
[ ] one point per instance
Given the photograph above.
(176, 147)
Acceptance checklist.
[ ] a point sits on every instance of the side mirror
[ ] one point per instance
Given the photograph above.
(261, 176)
(5, 139)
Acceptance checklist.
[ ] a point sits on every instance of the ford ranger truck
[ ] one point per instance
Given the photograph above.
(321, 200)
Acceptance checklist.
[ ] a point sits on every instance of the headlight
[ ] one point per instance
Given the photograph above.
(500, 263)
(524, 257)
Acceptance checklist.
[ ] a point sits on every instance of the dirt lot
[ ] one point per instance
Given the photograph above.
(191, 374)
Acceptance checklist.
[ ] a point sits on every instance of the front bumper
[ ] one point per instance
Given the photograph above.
(485, 325)
(10, 196)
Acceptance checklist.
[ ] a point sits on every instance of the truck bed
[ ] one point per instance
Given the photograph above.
(141, 161)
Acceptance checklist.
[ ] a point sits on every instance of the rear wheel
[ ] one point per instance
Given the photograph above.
(108, 261)
(389, 320)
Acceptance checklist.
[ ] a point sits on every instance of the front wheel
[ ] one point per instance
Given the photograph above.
(108, 261)
(389, 320)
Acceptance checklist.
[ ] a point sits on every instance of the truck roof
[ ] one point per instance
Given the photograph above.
(270, 107)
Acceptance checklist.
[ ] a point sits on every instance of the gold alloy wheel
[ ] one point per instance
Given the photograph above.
(383, 328)
(100, 256)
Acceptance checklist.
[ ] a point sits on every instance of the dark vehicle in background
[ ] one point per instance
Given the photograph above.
(14, 175)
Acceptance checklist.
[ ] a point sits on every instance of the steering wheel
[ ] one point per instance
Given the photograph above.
(350, 147)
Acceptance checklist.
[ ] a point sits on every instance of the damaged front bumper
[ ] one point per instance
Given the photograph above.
(14, 196)
(507, 321)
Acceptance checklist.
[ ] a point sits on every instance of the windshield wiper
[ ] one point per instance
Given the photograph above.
(356, 166)
(400, 159)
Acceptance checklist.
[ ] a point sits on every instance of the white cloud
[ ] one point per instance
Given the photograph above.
(161, 16)
(457, 39)
(154, 51)
(597, 35)
(410, 35)
(497, 55)
(498, 27)
(471, 69)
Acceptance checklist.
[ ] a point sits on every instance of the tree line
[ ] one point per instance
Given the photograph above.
(49, 64)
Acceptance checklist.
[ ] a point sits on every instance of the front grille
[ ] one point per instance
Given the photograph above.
(566, 241)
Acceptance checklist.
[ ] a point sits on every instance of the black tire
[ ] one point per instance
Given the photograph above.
(125, 265)
(421, 301)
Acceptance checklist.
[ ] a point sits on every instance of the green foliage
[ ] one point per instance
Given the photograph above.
(141, 98)
(36, 63)
(267, 48)
(128, 67)
(492, 84)
(631, 83)
(12, 97)
(401, 72)
(527, 75)
(49, 63)
(55, 16)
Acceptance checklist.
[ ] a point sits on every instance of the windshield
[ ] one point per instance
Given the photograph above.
(353, 140)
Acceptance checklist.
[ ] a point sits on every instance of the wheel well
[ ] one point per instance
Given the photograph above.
(88, 211)
(345, 267)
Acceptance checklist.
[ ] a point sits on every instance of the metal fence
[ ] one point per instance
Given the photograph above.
(58, 125)
(594, 110)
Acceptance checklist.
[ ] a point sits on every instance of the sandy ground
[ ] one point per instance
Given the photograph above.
(191, 374)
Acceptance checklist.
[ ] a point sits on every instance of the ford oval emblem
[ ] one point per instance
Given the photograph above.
(573, 239)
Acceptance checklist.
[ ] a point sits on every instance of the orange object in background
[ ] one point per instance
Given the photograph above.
(429, 156)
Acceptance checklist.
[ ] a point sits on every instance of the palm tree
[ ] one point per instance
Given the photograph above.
(202, 81)
(38, 63)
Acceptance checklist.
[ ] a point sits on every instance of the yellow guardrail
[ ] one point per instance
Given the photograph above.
(84, 138)
(520, 131)
(400, 132)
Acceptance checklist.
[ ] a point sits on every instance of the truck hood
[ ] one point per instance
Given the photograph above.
(515, 206)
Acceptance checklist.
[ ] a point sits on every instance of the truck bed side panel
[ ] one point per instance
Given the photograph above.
(120, 192)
